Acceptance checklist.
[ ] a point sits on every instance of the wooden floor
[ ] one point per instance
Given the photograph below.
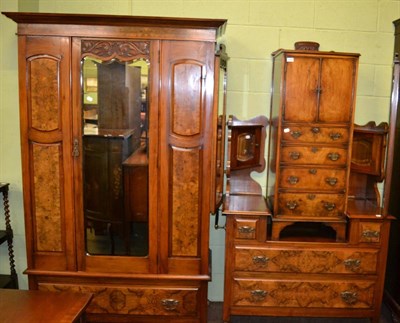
(215, 316)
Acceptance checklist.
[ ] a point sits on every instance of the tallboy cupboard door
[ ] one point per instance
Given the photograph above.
(318, 87)
(45, 112)
(186, 132)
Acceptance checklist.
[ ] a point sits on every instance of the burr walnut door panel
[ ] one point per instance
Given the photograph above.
(47, 151)
(185, 158)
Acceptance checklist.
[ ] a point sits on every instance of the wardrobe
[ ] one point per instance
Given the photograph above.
(121, 158)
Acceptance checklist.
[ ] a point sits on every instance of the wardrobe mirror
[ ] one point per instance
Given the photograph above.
(115, 159)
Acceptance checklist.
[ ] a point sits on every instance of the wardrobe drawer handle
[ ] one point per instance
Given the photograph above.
(170, 304)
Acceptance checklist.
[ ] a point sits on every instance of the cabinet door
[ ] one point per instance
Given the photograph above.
(186, 146)
(116, 126)
(300, 88)
(45, 110)
(319, 89)
(337, 89)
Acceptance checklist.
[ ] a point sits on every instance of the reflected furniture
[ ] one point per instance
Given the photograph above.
(319, 249)
(71, 150)
(40, 306)
(6, 236)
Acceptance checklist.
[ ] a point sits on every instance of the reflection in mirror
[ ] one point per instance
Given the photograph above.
(115, 161)
(245, 146)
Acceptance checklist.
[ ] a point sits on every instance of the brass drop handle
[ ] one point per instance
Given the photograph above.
(246, 229)
(349, 297)
(331, 181)
(293, 180)
(329, 206)
(291, 205)
(258, 295)
(335, 135)
(352, 264)
(333, 156)
(370, 234)
(260, 260)
(294, 155)
(295, 134)
(170, 304)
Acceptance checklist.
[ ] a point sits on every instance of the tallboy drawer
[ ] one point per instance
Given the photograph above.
(311, 204)
(135, 300)
(335, 261)
(316, 134)
(312, 178)
(303, 293)
(314, 155)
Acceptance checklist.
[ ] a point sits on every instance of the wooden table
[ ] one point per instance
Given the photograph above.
(32, 306)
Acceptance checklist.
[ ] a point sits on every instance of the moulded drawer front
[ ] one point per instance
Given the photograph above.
(370, 232)
(312, 178)
(315, 134)
(311, 204)
(245, 228)
(135, 300)
(340, 261)
(314, 155)
(303, 293)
